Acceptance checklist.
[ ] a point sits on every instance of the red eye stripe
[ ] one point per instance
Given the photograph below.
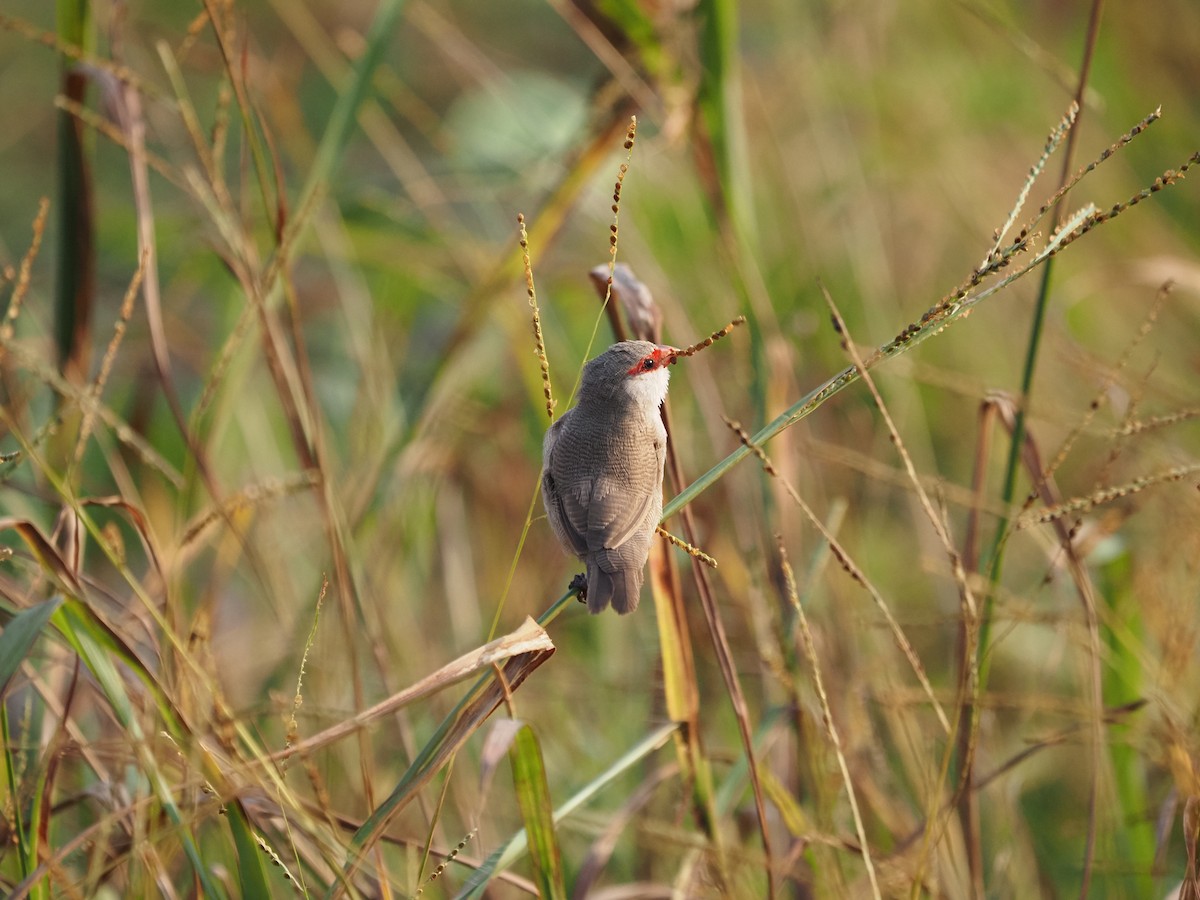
(658, 358)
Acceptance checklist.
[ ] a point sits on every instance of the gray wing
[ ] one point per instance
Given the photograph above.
(626, 492)
(566, 505)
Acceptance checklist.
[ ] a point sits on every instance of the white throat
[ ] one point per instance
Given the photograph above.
(649, 390)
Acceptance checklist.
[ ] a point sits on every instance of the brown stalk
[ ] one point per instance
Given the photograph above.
(645, 320)
(292, 378)
(138, 445)
(708, 603)
(21, 287)
(1045, 490)
(110, 355)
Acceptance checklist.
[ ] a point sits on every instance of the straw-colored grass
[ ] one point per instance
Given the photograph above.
(924, 616)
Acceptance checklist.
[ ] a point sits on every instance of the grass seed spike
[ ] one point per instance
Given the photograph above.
(712, 338)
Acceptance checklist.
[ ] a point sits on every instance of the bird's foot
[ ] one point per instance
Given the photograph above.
(579, 583)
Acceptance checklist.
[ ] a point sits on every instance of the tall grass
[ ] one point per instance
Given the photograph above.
(271, 547)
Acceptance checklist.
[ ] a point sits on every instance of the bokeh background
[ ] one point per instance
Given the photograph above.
(871, 148)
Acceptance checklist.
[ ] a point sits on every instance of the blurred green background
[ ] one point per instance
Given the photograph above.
(869, 147)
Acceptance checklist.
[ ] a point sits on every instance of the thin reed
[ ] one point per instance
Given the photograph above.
(279, 612)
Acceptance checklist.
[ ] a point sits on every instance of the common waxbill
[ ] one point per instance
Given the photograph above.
(603, 470)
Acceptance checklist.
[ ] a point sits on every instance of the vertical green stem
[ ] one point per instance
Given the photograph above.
(992, 563)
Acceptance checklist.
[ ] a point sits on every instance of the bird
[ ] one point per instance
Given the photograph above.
(602, 470)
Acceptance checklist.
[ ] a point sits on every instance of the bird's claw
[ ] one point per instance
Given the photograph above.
(579, 584)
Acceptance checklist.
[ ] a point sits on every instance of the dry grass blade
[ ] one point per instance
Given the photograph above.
(46, 554)
(500, 736)
(293, 727)
(614, 316)
(525, 650)
(110, 355)
(136, 443)
(1035, 170)
(686, 547)
(21, 287)
(935, 520)
(810, 651)
(1153, 423)
(1148, 323)
(680, 684)
(529, 640)
(1056, 512)
(633, 297)
(539, 341)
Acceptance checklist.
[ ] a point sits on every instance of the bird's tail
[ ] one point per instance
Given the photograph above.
(599, 588)
(627, 590)
(622, 588)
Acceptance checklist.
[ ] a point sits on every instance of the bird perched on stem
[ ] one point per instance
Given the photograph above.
(603, 470)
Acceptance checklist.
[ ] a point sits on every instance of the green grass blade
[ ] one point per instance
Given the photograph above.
(252, 877)
(344, 115)
(516, 847)
(719, 101)
(21, 831)
(1122, 629)
(480, 701)
(533, 795)
(88, 639)
(17, 639)
(931, 324)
